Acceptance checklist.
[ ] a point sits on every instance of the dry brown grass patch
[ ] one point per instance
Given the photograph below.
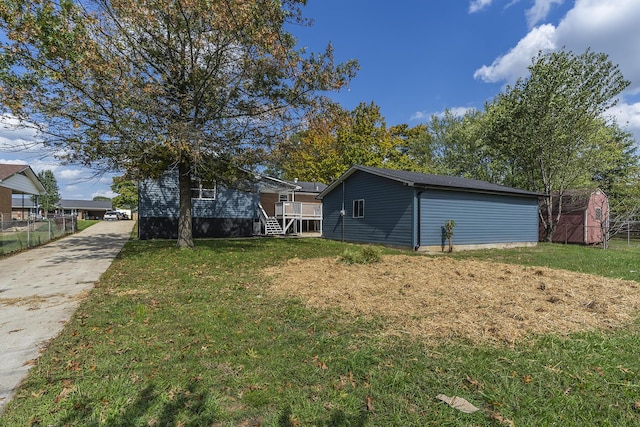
(440, 297)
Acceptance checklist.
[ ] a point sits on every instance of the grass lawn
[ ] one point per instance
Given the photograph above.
(193, 338)
(43, 233)
(86, 223)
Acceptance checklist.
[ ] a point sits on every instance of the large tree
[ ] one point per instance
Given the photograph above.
(49, 200)
(459, 147)
(127, 191)
(199, 87)
(548, 127)
(337, 139)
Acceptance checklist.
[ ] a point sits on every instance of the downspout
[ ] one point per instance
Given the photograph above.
(419, 215)
(342, 212)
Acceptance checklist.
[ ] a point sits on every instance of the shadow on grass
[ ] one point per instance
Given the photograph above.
(337, 418)
(301, 247)
(187, 408)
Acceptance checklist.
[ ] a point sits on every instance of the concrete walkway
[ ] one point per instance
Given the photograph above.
(41, 288)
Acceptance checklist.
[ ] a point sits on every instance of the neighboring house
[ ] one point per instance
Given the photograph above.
(584, 217)
(409, 209)
(22, 207)
(297, 208)
(217, 211)
(84, 209)
(16, 179)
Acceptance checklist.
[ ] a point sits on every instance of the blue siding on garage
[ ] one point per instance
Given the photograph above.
(480, 218)
(388, 211)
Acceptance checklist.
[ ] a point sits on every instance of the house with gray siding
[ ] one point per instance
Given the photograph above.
(410, 209)
(219, 211)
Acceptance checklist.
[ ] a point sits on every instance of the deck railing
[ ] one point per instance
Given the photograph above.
(299, 210)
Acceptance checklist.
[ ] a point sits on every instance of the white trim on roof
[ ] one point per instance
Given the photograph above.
(25, 181)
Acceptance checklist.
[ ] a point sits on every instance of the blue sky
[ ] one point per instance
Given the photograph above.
(418, 57)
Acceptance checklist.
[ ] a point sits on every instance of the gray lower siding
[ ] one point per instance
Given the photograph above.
(480, 218)
(167, 228)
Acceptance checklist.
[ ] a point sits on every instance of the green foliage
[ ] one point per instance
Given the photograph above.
(447, 230)
(360, 255)
(549, 129)
(50, 199)
(449, 225)
(460, 148)
(336, 139)
(182, 82)
(127, 191)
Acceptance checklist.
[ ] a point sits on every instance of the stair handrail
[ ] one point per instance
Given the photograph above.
(262, 214)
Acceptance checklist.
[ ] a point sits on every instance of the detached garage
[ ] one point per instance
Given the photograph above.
(410, 209)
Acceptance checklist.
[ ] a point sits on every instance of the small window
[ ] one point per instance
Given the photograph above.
(283, 197)
(204, 190)
(358, 208)
(598, 214)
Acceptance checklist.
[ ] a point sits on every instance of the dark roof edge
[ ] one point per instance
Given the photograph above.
(507, 190)
(412, 183)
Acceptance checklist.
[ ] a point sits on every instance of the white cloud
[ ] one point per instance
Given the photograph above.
(71, 174)
(12, 162)
(420, 115)
(608, 26)
(478, 5)
(514, 63)
(17, 135)
(104, 193)
(456, 111)
(539, 11)
(628, 117)
(39, 165)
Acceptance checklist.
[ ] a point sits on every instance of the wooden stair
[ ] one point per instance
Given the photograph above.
(272, 226)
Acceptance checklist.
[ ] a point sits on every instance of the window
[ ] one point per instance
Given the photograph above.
(598, 214)
(205, 190)
(283, 197)
(358, 208)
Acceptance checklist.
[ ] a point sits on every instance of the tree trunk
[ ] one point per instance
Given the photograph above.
(185, 223)
(552, 223)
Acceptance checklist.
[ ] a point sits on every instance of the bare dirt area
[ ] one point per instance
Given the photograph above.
(440, 297)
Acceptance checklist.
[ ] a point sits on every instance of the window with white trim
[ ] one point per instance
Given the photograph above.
(358, 208)
(204, 190)
(283, 197)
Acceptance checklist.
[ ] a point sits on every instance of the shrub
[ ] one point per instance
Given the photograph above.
(364, 255)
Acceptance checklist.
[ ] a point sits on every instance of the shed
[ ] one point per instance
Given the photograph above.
(584, 217)
(409, 209)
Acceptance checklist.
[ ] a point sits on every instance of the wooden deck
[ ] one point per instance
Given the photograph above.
(299, 210)
(293, 217)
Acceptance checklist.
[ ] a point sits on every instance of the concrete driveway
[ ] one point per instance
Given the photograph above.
(42, 287)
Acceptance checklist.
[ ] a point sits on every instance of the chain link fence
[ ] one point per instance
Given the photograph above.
(18, 235)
